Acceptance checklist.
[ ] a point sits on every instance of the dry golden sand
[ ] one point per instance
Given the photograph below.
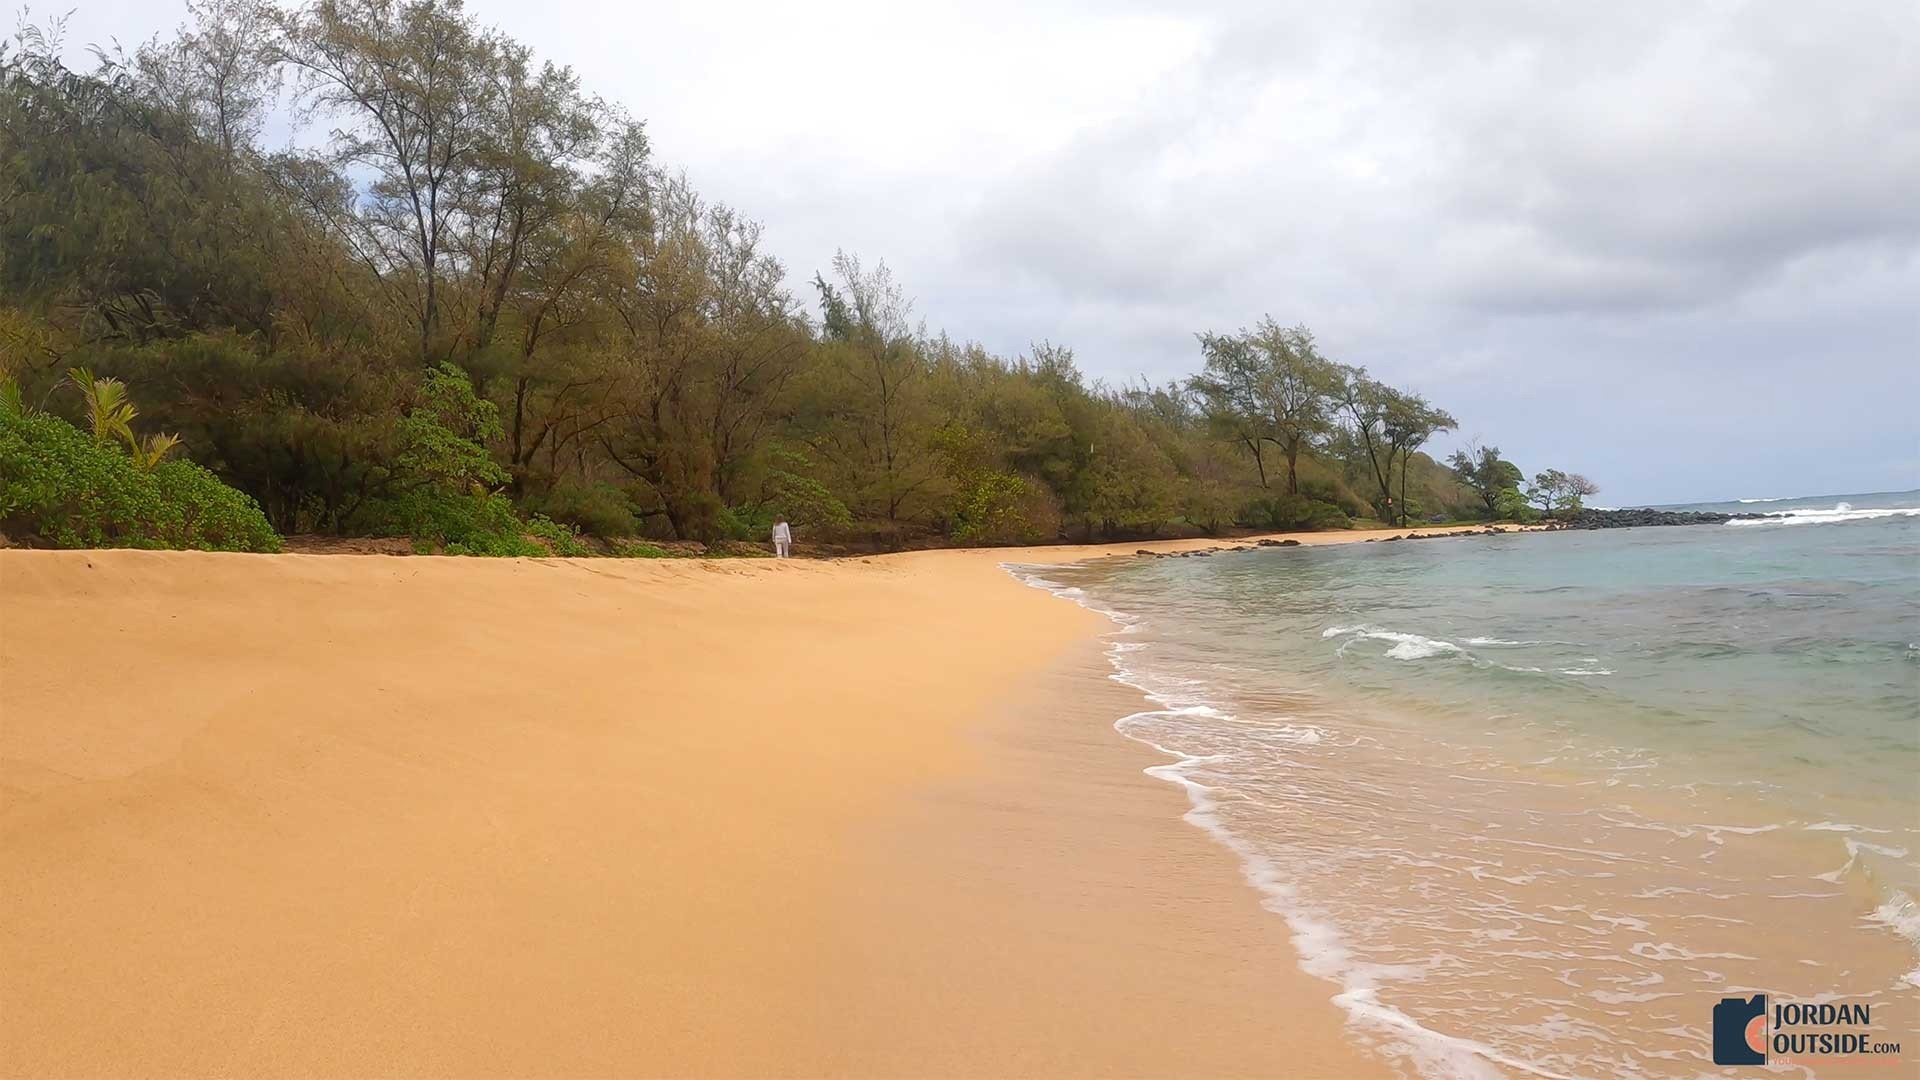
(368, 816)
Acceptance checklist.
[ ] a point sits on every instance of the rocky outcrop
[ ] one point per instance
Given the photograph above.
(1640, 518)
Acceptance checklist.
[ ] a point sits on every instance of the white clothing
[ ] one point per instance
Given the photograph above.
(782, 540)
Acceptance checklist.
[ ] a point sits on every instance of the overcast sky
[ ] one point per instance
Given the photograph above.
(1675, 246)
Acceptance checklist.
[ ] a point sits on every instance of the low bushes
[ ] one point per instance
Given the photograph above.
(1285, 512)
(596, 509)
(61, 487)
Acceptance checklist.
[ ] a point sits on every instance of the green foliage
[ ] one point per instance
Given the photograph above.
(563, 541)
(1547, 489)
(109, 412)
(1490, 477)
(1269, 387)
(443, 438)
(1285, 513)
(67, 489)
(792, 494)
(1131, 485)
(1002, 508)
(150, 450)
(444, 476)
(1511, 505)
(741, 523)
(990, 506)
(470, 523)
(1387, 426)
(594, 508)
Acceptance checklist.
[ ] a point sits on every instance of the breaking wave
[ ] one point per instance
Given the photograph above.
(1405, 646)
(1837, 513)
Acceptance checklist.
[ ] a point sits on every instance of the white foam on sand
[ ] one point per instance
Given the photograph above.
(1322, 948)
(1901, 915)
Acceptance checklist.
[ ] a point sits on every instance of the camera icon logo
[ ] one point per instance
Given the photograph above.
(1740, 1031)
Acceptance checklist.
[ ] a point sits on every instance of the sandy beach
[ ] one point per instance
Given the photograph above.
(358, 815)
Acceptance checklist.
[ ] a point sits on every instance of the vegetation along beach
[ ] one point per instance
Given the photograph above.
(477, 602)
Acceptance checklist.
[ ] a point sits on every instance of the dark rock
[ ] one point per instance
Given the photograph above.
(1289, 543)
(1640, 518)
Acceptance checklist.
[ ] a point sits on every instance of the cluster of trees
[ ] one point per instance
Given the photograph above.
(1269, 390)
(480, 302)
(1497, 483)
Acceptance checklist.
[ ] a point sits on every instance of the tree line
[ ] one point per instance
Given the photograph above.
(480, 302)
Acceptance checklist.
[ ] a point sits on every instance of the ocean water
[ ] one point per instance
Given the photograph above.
(1536, 802)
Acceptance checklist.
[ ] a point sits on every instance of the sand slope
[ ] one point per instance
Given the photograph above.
(335, 815)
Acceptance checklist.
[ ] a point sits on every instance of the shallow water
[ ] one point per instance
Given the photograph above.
(1537, 802)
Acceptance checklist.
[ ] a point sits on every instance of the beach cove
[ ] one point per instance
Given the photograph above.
(346, 815)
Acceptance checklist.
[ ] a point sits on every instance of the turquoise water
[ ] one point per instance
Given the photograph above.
(1535, 801)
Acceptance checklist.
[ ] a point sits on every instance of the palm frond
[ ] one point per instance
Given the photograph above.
(109, 410)
(153, 449)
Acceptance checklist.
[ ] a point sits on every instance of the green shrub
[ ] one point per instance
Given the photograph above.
(1293, 512)
(1511, 505)
(801, 499)
(443, 437)
(741, 523)
(63, 487)
(447, 478)
(475, 523)
(596, 509)
(564, 541)
(640, 551)
(1003, 508)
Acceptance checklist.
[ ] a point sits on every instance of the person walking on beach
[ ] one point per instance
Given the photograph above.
(782, 539)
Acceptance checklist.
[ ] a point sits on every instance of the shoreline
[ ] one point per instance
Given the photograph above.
(321, 815)
(1739, 841)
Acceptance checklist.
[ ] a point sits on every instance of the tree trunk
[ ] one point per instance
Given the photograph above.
(1405, 460)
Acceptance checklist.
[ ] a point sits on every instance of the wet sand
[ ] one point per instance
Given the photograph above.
(347, 816)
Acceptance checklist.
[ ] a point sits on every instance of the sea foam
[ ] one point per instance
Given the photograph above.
(1901, 915)
(1839, 512)
(1405, 646)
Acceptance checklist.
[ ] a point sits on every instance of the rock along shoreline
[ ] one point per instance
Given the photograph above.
(1640, 518)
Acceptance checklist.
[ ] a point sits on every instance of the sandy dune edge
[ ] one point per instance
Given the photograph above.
(334, 815)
